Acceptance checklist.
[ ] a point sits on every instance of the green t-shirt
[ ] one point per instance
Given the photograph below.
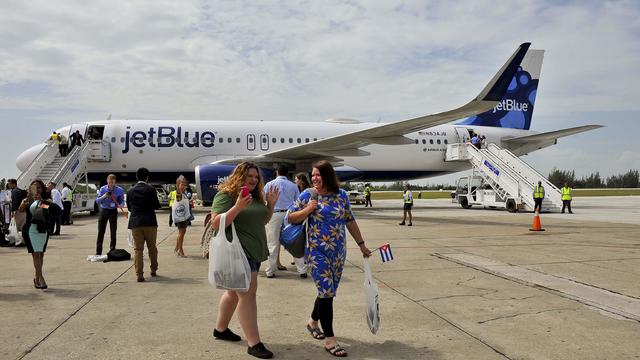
(249, 226)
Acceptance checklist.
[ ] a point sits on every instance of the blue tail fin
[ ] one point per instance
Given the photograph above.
(516, 107)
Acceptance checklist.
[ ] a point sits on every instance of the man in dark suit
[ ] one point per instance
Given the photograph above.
(142, 201)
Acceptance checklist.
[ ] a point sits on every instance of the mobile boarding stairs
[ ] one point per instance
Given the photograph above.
(508, 175)
(49, 166)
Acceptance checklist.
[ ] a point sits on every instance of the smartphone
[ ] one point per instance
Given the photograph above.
(244, 191)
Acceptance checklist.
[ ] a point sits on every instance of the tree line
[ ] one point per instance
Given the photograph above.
(630, 179)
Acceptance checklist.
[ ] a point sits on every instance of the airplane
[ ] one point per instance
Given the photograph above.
(207, 151)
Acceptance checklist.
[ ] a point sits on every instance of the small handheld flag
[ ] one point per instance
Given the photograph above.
(385, 252)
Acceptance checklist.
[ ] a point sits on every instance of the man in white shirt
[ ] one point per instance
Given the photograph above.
(56, 197)
(288, 194)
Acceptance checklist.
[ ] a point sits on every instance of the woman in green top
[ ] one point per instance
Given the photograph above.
(249, 214)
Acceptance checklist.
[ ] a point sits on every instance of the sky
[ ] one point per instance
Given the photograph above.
(64, 62)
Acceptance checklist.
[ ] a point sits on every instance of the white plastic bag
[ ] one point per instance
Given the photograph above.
(372, 309)
(14, 236)
(97, 258)
(228, 265)
(180, 210)
(130, 238)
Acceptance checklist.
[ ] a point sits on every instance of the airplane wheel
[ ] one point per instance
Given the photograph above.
(465, 203)
(511, 206)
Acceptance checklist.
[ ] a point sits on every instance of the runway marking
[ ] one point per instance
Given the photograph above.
(602, 299)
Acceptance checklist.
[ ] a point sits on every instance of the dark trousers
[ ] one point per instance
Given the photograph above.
(538, 204)
(64, 149)
(54, 227)
(367, 201)
(323, 311)
(110, 215)
(566, 204)
(66, 212)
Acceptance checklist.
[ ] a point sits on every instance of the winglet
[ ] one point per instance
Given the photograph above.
(495, 89)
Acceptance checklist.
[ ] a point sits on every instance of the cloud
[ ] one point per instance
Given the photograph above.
(305, 61)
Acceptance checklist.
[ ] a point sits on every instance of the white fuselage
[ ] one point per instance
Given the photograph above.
(156, 145)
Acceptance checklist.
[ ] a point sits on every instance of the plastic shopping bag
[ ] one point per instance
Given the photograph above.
(228, 265)
(372, 309)
(14, 236)
(180, 210)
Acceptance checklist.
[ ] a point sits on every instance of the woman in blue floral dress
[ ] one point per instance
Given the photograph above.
(328, 211)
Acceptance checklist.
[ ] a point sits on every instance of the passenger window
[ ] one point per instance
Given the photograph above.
(315, 139)
(290, 140)
(417, 141)
(122, 139)
(250, 140)
(431, 141)
(221, 139)
(446, 141)
(299, 140)
(424, 141)
(238, 140)
(274, 140)
(438, 141)
(229, 140)
(282, 140)
(306, 140)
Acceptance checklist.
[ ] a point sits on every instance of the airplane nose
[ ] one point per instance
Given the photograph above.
(24, 160)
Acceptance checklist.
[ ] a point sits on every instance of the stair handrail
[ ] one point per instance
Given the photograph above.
(65, 168)
(553, 193)
(506, 178)
(31, 172)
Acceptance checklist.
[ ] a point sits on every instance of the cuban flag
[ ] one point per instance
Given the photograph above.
(385, 253)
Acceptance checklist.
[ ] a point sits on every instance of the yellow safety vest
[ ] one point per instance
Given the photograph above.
(566, 193)
(172, 197)
(367, 191)
(69, 196)
(408, 197)
(538, 193)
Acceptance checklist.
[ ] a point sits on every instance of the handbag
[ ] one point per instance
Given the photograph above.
(180, 210)
(294, 237)
(372, 308)
(228, 265)
(40, 215)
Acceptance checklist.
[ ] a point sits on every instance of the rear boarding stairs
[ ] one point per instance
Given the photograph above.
(508, 175)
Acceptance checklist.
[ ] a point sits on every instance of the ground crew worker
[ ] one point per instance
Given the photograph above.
(367, 196)
(538, 196)
(408, 204)
(67, 201)
(566, 197)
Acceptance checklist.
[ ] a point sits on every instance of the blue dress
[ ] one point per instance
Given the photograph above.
(326, 251)
(37, 239)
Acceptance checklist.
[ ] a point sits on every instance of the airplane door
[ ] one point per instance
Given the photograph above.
(463, 134)
(251, 142)
(264, 142)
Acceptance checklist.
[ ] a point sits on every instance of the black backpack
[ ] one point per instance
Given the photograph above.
(118, 255)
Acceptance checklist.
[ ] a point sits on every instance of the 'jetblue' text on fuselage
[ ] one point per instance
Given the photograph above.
(167, 136)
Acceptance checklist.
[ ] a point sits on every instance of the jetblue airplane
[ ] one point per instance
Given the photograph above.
(207, 151)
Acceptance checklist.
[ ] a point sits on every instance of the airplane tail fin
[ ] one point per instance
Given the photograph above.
(515, 109)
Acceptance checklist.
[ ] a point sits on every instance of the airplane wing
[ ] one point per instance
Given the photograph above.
(349, 144)
(548, 136)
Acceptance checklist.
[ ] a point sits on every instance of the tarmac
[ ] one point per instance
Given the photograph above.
(464, 284)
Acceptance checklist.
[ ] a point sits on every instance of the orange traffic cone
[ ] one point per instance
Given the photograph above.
(536, 222)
